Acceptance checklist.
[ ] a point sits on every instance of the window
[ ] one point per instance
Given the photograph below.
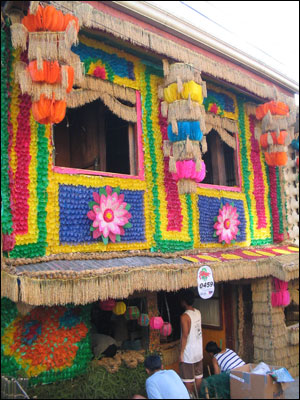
(211, 311)
(92, 138)
(221, 162)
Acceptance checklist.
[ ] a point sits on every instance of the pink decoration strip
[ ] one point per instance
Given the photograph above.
(20, 189)
(259, 187)
(172, 197)
(277, 236)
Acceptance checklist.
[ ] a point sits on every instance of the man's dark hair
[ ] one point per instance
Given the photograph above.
(212, 347)
(187, 296)
(152, 363)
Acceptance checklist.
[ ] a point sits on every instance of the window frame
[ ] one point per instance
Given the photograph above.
(139, 154)
(239, 176)
(220, 298)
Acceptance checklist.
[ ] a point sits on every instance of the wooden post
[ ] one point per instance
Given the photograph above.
(132, 149)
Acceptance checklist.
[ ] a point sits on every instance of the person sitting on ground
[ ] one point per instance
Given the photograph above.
(223, 360)
(162, 384)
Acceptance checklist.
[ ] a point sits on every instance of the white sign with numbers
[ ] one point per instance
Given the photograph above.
(206, 284)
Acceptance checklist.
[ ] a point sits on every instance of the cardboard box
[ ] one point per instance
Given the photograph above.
(246, 385)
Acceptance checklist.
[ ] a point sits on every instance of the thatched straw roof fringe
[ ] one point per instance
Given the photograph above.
(149, 40)
(62, 287)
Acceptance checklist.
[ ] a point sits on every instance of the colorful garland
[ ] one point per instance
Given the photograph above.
(48, 344)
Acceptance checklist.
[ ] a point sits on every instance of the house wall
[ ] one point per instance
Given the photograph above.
(45, 212)
(274, 342)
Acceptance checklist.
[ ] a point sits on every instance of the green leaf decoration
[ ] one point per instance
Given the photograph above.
(232, 204)
(215, 234)
(215, 219)
(92, 228)
(105, 240)
(128, 207)
(223, 242)
(92, 204)
(103, 191)
(118, 238)
(128, 225)
(116, 190)
(238, 232)
(233, 241)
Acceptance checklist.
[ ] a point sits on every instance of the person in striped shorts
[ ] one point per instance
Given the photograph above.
(223, 360)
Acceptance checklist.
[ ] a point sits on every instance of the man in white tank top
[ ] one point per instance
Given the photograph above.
(191, 348)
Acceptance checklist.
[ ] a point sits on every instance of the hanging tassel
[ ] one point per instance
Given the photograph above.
(188, 148)
(174, 126)
(267, 121)
(198, 164)
(19, 36)
(269, 139)
(172, 165)
(204, 89)
(64, 76)
(160, 92)
(34, 5)
(71, 34)
(179, 84)
(164, 109)
(19, 68)
(189, 102)
(84, 13)
(39, 60)
(257, 133)
(204, 145)
(166, 67)
(167, 148)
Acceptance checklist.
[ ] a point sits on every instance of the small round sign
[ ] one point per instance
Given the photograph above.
(206, 284)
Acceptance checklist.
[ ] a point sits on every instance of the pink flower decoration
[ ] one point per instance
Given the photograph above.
(99, 72)
(109, 214)
(187, 170)
(227, 224)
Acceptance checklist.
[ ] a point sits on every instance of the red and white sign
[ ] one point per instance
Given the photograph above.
(206, 284)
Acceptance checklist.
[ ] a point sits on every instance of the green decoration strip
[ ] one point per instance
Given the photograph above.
(279, 202)
(6, 62)
(244, 159)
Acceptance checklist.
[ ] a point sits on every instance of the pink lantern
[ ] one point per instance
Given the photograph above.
(187, 170)
(280, 295)
(107, 305)
(166, 329)
(156, 323)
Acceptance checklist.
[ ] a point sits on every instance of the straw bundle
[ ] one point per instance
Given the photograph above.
(186, 150)
(79, 97)
(112, 89)
(181, 110)
(19, 35)
(241, 322)
(270, 342)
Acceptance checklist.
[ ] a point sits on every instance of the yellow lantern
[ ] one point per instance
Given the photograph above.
(119, 308)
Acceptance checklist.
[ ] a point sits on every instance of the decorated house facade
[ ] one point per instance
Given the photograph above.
(132, 155)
